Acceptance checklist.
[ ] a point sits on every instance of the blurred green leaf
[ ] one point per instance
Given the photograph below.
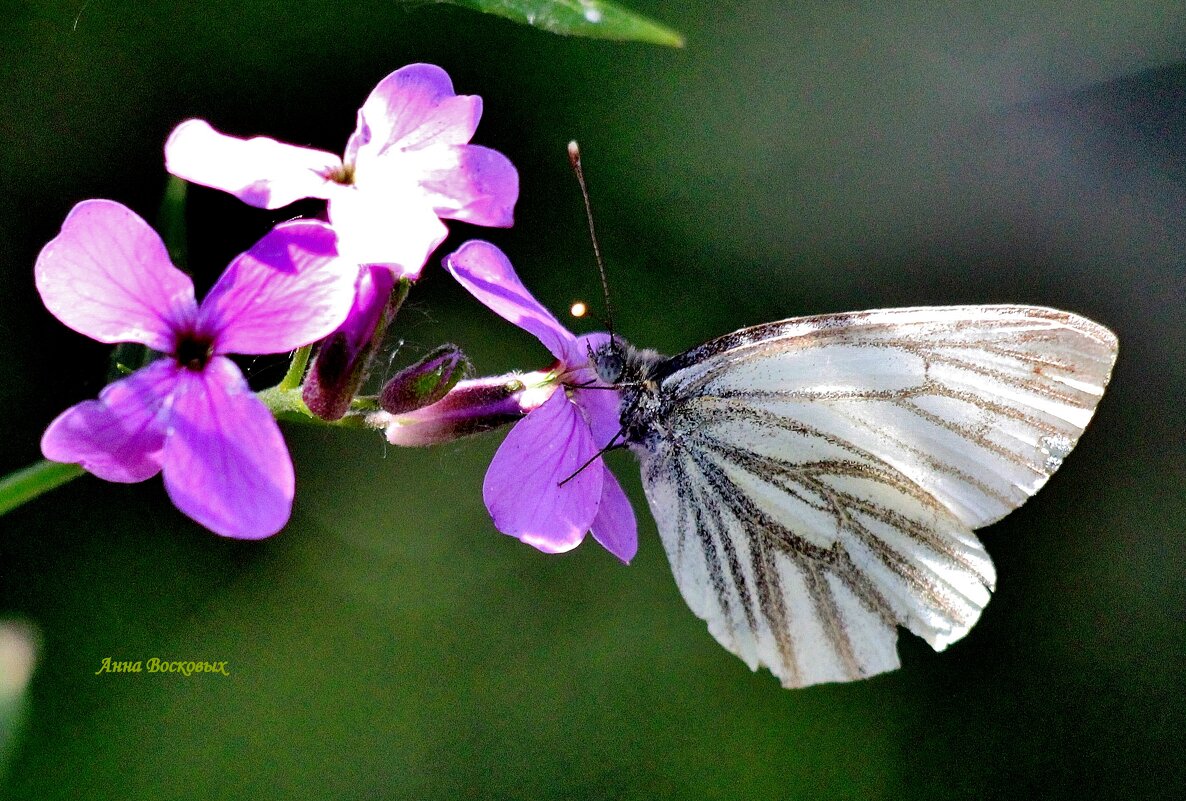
(591, 18)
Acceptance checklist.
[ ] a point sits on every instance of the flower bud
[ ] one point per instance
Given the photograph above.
(425, 382)
(344, 356)
(471, 407)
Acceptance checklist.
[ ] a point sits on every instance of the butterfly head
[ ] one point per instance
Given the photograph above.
(609, 360)
(618, 363)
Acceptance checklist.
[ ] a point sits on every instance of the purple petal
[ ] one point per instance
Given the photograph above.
(412, 108)
(590, 343)
(522, 488)
(225, 462)
(290, 289)
(479, 187)
(603, 410)
(615, 527)
(488, 275)
(107, 275)
(119, 436)
(581, 356)
(601, 403)
(390, 225)
(261, 172)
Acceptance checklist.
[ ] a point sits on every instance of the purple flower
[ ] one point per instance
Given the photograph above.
(551, 444)
(190, 415)
(407, 165)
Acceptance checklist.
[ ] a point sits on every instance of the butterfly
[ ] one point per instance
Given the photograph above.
(816, 481)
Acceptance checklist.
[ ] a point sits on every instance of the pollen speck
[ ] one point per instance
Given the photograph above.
(578, 309)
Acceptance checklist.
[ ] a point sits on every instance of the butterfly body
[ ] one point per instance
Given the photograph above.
(816, 480)
(644, 408)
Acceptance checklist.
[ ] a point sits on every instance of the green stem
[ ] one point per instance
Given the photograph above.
(171, 221)
(288, 405)
(397, 299)
(24, 485)
(296, 370)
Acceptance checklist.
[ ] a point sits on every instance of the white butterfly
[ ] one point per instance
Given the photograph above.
(816, 480)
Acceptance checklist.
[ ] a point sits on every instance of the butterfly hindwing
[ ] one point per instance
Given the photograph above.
(816, 481)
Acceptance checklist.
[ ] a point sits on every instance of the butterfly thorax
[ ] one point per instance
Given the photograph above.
(632, 371)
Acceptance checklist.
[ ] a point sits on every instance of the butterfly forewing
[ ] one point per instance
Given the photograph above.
(816, 481)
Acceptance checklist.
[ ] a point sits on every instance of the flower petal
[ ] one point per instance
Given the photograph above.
(601, 403)
(108, 275)
(119, 436)
(411, 108)
(390, 225)
(488, 275)
(290, 289)
(261, 171)
(590, 343)
(522, 487)
(225, 462)
(615, 527)
(603, 409)
(474, 184)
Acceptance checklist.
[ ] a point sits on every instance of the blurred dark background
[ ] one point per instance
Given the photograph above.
(792, 159)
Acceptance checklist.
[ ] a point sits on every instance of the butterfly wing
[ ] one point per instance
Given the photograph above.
(816, 480)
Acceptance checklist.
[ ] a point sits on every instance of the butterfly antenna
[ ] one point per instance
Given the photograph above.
(574, 159)
(609, 446)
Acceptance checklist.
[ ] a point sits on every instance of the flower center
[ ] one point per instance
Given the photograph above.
(343, 175)
(194, 351)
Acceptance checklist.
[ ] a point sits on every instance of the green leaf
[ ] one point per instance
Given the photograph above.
(591, 18)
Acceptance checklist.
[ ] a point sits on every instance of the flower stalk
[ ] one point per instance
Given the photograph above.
(29, 483)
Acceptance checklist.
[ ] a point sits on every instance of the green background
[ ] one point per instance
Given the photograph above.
(794, 158)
